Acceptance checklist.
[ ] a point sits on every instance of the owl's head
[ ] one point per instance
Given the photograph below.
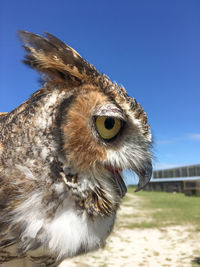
(102, 130)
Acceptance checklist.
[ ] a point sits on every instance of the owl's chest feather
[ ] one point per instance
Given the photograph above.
(68, 232)
(71, 233)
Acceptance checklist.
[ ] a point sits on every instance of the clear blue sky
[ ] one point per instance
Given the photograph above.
(152, 47)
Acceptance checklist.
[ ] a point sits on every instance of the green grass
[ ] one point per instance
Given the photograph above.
(168, 209)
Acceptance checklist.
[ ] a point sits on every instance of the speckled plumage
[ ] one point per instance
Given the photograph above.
(60, 186)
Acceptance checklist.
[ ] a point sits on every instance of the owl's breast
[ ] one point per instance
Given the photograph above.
(70, 233)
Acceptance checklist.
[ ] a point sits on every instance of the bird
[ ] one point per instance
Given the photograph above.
(62, 153)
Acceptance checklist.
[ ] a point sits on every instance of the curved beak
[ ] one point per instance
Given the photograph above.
(144, 175)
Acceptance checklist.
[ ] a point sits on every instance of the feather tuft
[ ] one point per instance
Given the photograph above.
(55, 59)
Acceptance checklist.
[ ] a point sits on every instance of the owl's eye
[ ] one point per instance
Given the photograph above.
(108, 127)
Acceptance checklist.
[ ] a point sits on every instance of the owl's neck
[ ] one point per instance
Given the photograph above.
(32, 134)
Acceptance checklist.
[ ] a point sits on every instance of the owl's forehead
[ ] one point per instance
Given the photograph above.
(109, 109)
(92, 99)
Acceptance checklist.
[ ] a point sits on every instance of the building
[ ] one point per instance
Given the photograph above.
(185, 171)
(182, 179)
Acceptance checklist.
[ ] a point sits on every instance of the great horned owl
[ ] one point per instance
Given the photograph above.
(61, 155)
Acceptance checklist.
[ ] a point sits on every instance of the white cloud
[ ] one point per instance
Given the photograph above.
(165, 165)
(191, 136)
(164, 142)
(194, 136)
(169, 141)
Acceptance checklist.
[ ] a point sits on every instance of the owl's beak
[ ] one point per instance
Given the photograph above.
(120, 182)
(144, 175)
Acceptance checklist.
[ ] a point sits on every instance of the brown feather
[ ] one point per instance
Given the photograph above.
(51, 56)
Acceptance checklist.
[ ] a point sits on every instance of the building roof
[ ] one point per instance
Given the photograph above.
(178, 167)
(175, 179)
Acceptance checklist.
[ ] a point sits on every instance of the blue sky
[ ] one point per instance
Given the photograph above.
(152, 47)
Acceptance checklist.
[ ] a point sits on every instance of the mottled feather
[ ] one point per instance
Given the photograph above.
(60, 182)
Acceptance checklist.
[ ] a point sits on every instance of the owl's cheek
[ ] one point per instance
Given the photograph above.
(81, 150)
(133, 158)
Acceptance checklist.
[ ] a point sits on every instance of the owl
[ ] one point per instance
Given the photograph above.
(61, 156)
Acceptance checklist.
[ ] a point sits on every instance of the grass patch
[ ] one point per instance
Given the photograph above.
(168, 209)
(141, 225)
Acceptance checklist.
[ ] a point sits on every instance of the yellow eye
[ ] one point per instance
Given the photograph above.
(108, 127)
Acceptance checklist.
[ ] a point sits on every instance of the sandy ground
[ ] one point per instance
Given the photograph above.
(172, 246)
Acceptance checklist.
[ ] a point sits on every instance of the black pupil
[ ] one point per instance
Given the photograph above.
(109, 123)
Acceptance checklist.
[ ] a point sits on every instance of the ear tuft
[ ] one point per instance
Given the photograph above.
(55, 59)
